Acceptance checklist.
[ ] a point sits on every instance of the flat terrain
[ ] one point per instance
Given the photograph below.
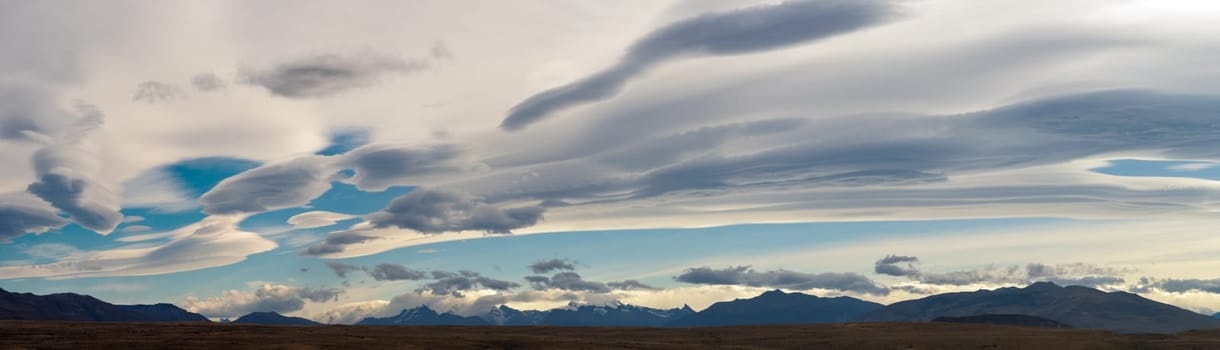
(77, 335)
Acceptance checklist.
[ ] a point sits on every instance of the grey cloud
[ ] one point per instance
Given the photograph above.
(889, 266)
(273, 186)
(136, 228)
(278, 298)
(882, 157)
(546, 266)
(377, 167)
(748, 30)
(630, 285)
(153, 92)
(208, 82)
(746, 276)
(24, 109)
(440, 51)
(396, 272)
(1172, 285)
(454, 283)
(1080, 274)
(569, 281)
(342, 269)
(337, 242)
(328, 74)
(66, 176)
(436, 211)
(18, 219)
(320, 295)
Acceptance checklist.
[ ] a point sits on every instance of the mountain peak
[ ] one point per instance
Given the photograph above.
(1043, 285)
(773, 292)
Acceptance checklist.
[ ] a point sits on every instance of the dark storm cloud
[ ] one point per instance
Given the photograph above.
(208, 82)
(454, 283)
(547, 266)
(437, 211)
(742, 31)
(153, 92)
(17, 219)
(746, 276)
(396, 272)
(342, 269)
(337, 242)
(329, 74)
(889, 266)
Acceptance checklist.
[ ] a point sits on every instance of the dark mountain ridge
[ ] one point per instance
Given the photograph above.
(777, 307)
(273, 318)
(1075, 305)
(76, 307)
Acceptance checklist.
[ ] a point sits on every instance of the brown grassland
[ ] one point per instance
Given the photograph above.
(78, 335)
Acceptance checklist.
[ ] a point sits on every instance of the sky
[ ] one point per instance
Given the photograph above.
(345, 159)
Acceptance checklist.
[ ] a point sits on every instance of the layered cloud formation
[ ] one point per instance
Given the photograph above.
(273, 143)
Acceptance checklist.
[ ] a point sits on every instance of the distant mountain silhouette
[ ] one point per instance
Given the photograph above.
(777, 307)
(616, 314)
(76, 307)
(1078, 306)
(273, 318)
(1005, 320)
(424, 316)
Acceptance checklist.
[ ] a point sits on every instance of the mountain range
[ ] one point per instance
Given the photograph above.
(76, 307)
(1080, 307)
(1040, 304)
(777, 307)
(273, 318)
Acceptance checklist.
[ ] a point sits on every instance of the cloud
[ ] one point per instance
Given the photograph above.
(208, 82)
(437, 211)
(454, 283)
(315, 219)
(377, 167)
(748, 30)
(67, 175)
(630, 285)
(746, 276)
(1172, 285)
(342, 269)
(547, 266)
(153, 92)
(268, 297)
(569, 281)
(1065, 274)
(20, 215)
(329, 74)
(274, 186)
(211, 242)
(396, 272)
(889, 265)
(136, 228)
(335, 243)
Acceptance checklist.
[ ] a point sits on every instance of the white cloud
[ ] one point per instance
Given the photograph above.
(314, 219)
(213, 241)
